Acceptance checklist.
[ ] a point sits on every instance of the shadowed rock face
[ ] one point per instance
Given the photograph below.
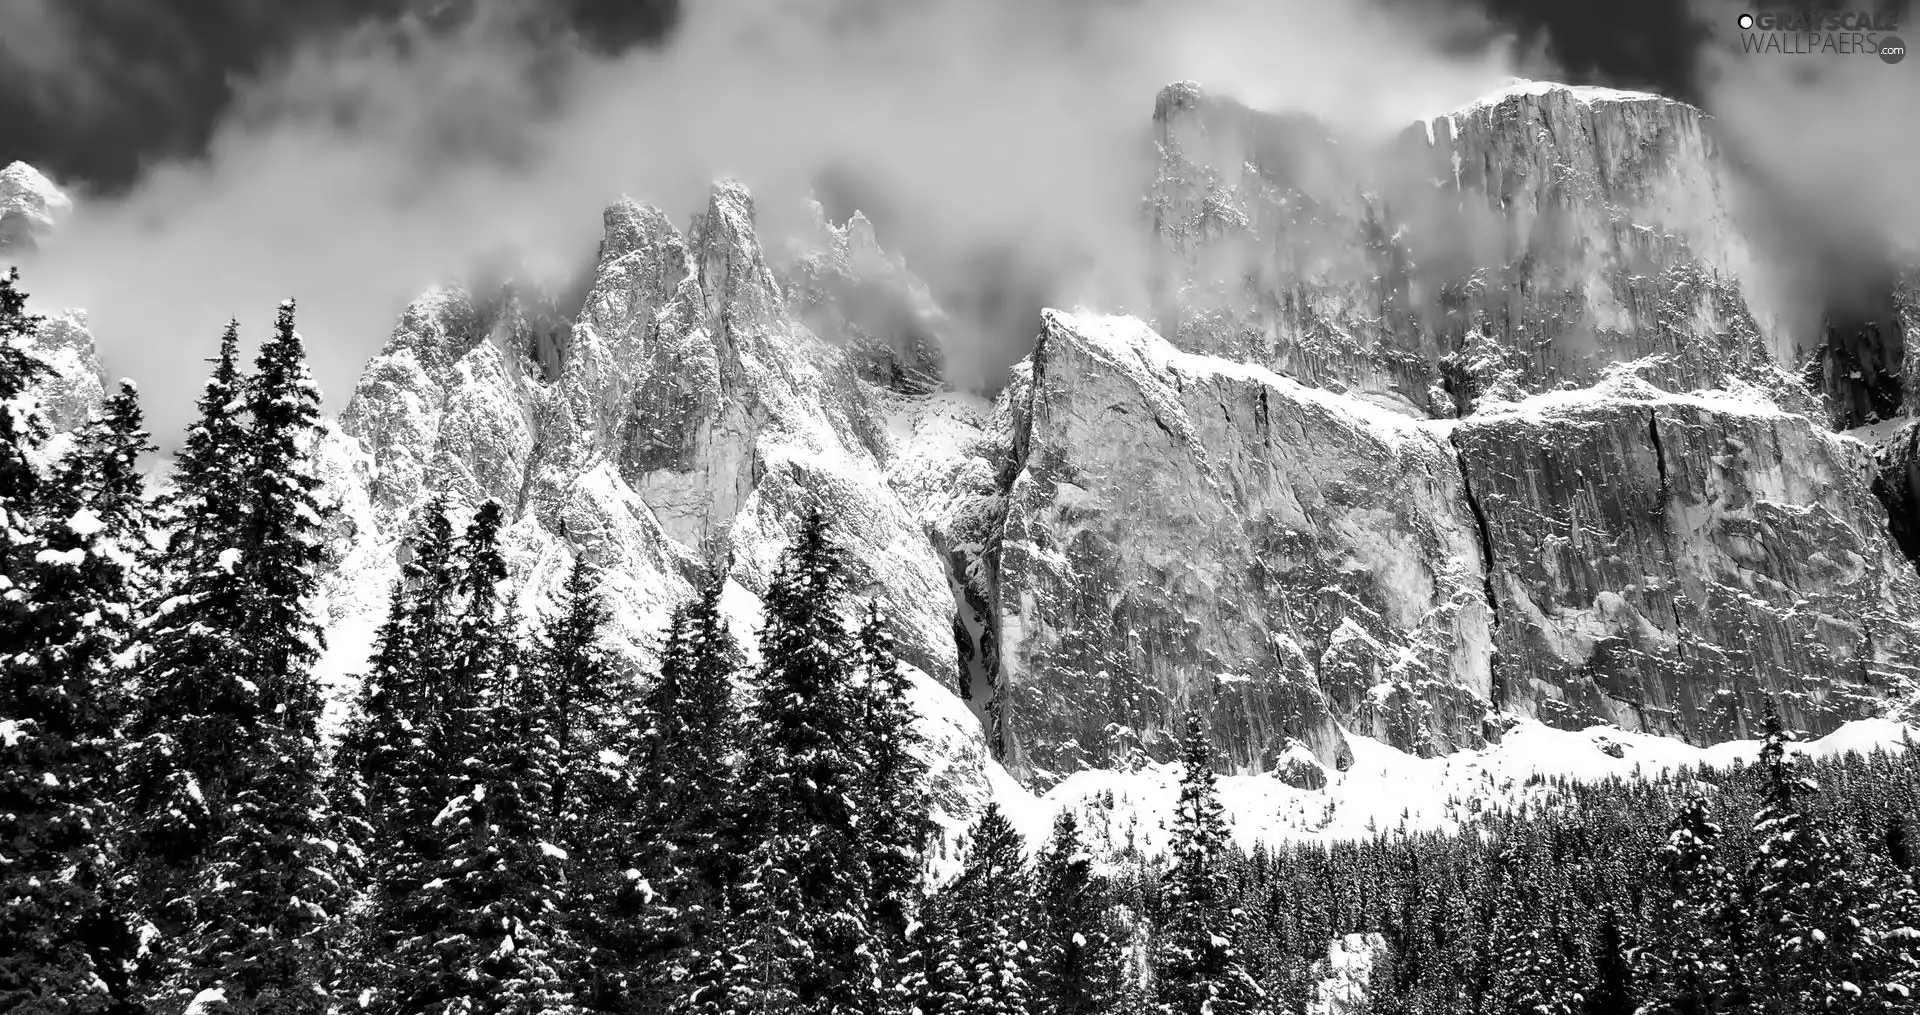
(1665, 562)
(1896, 482)
(1862, 364)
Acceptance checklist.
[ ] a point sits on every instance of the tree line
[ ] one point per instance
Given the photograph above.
(514, 821)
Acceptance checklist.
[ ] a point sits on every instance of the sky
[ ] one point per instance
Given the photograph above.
(226, 154)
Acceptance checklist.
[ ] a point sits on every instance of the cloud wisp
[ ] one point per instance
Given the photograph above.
(1007, 139)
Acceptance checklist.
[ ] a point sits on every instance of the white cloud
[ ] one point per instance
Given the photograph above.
(366, 167)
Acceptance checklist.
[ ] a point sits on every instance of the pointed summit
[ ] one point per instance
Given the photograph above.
(30, 206)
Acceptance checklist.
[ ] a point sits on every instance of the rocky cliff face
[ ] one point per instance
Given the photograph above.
(1666, 562)
(1184, 531)
(1521, 244)
(30, 207)
(1303, 555)
(1503, 435)
(683, 418)
(74, 383)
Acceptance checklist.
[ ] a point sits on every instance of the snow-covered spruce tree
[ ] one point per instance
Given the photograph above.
(981, 964)
(22, 431)
(1534, 966)
(1692, 967)
(487, 932)
(379, 736)
(686, 836)
(389, 760)
(65, 936)
(281, 553)
(585, 700)
(899, 823)
(236, 861)
(800, 928)
(460, 615)
(1813, 950)
(194, 715)
(1200, 972)
(1077, 963)
(596, 795)
(1614, 988)
(403, 752)
(267, 894)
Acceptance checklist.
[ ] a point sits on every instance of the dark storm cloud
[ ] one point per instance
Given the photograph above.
(93, 90)
(1649, 45)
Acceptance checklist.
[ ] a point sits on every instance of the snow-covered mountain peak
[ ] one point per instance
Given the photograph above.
(30, 206)
(628, 225)
(1518, 87)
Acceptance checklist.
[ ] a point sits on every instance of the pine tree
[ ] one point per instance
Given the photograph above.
(1200, 970)
(1613, 984)
(1813, 949)
(1898, 935)
(22, 431)
(196, 716)
(686, 836)
(204, 511)
(981, 962)
(805, 888)
(1078, 963)
(1531, 963)
(268, 894)
(403, 745)
(1693, 967)
(379, 740)
(188, 730)
(65, 940)
(487, 932)
(585, 700)
(281, 548)
(899, 823)
(596, 795)
(240, 868)
(394, 772)
(470, 647)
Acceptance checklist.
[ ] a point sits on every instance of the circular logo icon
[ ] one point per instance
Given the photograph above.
(1746, 21)
(1892, 50)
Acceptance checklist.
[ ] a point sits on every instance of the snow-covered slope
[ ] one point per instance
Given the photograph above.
(1385, 791)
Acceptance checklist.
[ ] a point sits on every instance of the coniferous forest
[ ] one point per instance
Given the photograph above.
(512, 821)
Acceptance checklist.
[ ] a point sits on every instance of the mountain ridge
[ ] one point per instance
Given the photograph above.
(1355, 489)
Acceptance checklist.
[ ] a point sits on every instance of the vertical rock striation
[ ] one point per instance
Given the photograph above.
(1665, 563)
(1522, 244)
(1187, 532)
